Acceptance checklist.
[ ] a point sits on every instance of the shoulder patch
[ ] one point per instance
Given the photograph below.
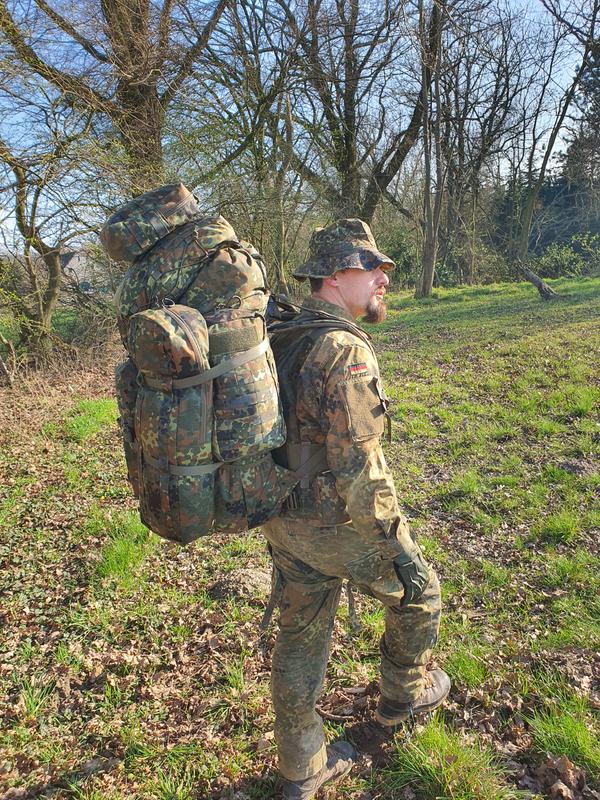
(358, 370)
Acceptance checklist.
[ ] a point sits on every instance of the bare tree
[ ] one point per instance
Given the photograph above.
(358, 69)
(433, 190)
(41, 190)
(123, 60)
(487, 71)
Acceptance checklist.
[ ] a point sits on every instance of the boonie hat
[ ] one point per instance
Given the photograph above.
(345, 244)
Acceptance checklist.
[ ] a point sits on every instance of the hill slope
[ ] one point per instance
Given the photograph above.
(130, 668)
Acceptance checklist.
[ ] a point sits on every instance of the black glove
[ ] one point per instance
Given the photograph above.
(413, 572)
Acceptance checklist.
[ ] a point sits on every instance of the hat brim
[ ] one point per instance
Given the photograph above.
(365, 258)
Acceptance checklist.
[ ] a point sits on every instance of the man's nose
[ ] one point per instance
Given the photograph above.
(383, 280)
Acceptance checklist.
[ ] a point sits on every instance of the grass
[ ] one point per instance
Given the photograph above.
(560, 527)
(580, 568)
(89, 417)
(438, 765)
(466, 666)
(35, 695)
(566, 728)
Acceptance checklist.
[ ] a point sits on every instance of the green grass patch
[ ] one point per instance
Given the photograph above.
(438, 765)
(88, 417)
(560, 527)
(574, 401)
(568, 732)
(128, 542)
(574, 622)
(495, 576)
(466, 666)
(35, 695)
(580, 569)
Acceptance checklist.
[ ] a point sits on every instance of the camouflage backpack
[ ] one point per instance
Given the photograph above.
(198, 395)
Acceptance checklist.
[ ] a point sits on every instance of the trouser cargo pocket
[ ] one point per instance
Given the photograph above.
(375, 575)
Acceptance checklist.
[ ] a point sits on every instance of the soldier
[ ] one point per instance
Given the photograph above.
(342, 521)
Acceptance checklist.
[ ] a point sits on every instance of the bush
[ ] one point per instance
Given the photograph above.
(589, 244)
(399, 245)
(559, 261)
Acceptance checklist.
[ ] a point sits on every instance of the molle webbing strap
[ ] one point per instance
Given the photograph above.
(234, 341)
(182, 471)
(168, 384)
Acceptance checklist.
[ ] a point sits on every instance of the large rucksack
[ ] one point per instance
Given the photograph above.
(198, 396)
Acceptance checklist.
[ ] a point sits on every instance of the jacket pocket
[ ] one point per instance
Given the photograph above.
(364, 403)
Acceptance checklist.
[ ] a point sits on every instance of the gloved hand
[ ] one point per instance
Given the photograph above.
(413, 572)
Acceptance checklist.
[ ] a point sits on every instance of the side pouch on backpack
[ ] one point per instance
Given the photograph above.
(173, 422)
(127, 390)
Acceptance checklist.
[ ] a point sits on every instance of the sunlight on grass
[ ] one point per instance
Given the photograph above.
(438, 765)
(465, 666)
(175, 783)
(561, 571)
(560, 527)
(90, 416)
(573, 401)
(127, 542)
(35, 695)
(568, 732)
(494, 454)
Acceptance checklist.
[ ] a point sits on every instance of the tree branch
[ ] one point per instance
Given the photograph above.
(66, 26)
(63, 81)
(187, 62)
(389, 165)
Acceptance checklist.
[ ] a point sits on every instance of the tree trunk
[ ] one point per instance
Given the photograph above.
(546, 292)
(281, 286)
(432, 212)
(139, 122)
(428, 267)
(8, 369)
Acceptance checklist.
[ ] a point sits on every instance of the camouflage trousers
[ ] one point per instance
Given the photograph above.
(311, 564)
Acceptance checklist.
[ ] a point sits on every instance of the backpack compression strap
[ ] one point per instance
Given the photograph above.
(169, 384)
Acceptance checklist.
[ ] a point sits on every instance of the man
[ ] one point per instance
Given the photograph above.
(342, 521)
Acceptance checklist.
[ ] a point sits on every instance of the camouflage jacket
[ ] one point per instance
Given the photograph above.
(333, 396)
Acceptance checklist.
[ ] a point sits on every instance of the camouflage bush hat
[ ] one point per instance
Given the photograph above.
(345, 244)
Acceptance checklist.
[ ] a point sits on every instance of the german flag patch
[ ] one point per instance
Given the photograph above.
(358, 370)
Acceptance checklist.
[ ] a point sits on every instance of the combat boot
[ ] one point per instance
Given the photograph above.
(340, 757)
(437, 686)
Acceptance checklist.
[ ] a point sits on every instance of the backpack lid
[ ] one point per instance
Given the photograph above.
(138, 225)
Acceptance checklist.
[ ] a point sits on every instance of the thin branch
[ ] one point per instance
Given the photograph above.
(187, 62)
(66, 26)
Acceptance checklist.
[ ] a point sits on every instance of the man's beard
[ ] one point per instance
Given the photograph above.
(376, 310)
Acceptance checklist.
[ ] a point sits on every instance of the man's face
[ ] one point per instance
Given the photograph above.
(363, 292)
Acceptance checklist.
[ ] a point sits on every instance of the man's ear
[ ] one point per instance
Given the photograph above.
(331, 280)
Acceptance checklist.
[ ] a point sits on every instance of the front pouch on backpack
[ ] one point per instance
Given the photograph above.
(173, 422)
(248, 416)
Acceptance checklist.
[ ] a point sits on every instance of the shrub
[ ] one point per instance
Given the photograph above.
(559, 261)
